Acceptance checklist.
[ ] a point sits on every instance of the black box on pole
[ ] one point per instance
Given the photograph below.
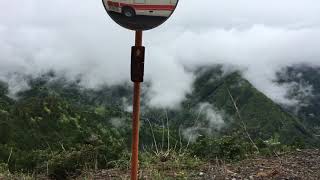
(137, 63)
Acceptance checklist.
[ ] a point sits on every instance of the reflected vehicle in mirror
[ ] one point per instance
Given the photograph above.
(140, 14)
(131, 8)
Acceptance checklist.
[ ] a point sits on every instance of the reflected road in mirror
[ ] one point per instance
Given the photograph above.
(137, 22)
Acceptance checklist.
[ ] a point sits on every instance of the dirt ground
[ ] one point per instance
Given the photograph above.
(300, 164)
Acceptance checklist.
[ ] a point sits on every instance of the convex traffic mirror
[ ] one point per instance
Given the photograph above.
(140, 14)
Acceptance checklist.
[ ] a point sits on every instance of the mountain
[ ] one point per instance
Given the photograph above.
(305, 82)
(213, 90)
(52, 125)
(60, 124)
(262, 118)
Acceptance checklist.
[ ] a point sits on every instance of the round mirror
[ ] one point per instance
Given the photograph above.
(140, 14)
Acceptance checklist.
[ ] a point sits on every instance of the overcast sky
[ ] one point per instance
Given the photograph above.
(77, 37)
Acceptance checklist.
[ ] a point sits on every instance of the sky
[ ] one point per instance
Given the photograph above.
(78, 39)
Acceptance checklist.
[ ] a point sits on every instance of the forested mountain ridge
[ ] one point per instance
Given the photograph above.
(58, 123)
(261, 115)
(305, 81)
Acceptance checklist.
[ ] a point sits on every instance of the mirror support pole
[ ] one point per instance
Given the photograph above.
(136, 118)
(138, 38)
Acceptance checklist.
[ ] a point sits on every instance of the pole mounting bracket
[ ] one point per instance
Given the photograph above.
(137, 63)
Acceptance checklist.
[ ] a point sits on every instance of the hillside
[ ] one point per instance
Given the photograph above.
(58, 127)
(306, 88)
(263, 118)
(261, 115)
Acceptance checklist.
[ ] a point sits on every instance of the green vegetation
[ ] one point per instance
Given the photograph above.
(58, 128)
(305, 84)
(43, 131)
(261, 116)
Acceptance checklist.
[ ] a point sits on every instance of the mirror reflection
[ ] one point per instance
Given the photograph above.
(140, 14)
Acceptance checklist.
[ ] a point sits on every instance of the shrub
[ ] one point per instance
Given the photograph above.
(226, 147)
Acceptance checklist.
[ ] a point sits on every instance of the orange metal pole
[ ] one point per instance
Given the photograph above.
(138, 38)
(135, 119)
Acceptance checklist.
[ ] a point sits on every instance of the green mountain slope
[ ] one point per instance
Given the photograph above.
(306, 88)
(44, 128)
(262, 117)
(58, 123)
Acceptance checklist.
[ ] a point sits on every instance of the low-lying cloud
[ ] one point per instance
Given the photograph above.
(77, 39)
(209, 121)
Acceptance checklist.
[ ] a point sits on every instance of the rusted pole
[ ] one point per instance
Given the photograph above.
(138, 38)
(135, 119)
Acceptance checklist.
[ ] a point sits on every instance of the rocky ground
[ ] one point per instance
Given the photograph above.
(300, 164)
(296, 165)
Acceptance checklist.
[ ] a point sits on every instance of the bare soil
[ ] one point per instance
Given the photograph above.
(300, 164)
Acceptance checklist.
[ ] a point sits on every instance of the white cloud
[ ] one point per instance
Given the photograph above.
(77, 37)
(209, 120)
(117, 122)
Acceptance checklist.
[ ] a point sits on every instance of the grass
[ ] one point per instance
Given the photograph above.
(6, 174)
